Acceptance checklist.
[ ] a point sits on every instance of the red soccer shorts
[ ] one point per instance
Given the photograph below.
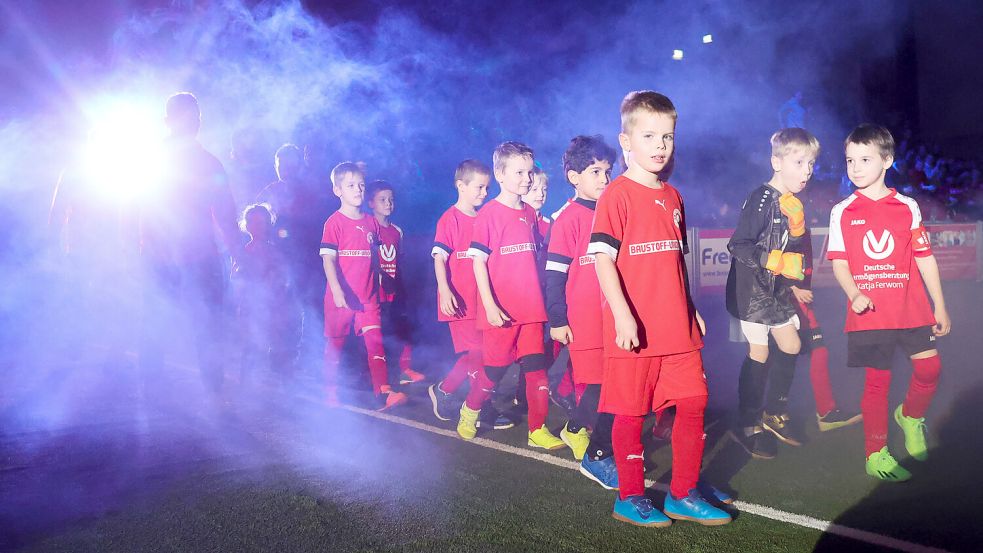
(503, 346)
(465, 335)
(339, 321)
(640, 385)
(588, 366)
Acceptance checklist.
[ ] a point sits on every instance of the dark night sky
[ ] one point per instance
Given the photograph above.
(426, 84)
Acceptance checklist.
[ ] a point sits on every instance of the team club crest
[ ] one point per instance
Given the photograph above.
(878, 248)
(387, 252)
(370, 237)
(677, 217)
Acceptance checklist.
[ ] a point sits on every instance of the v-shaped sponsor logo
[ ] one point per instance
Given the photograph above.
(387, 252)
(878, 248)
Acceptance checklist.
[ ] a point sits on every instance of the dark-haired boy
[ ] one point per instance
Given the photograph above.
(573, 304)
(392, 296)
(883, 261)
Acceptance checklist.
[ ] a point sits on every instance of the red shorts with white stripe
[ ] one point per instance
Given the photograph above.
(503, 346)
(588, 365)
(339, 321)
(638, 386)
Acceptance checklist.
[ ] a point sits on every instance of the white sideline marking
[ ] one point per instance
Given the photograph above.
(745, 507)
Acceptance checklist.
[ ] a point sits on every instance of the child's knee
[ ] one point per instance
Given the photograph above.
(790, 344)
(373, 341)
(758, 352)
(927, 369)
(533, 362)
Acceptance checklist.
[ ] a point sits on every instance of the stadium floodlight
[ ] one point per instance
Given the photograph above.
(123, 156)
(677, 55)
(707, 39)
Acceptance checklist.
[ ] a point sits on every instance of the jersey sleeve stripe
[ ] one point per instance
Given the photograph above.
(442, 247)
(479, 247)
(557, 266)
(476, 253)
(604, 243)
(328, 249)
(553, 256)
(600, 247)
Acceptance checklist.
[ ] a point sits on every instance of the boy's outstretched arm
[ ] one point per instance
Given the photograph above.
(929, 268)
(496, 317)
(625, 325)
(858, 301)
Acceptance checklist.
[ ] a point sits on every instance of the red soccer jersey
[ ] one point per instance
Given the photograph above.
(644, 230)
(451, 241)
(568, 254)
(352, 241)
(876, 238)
(506, 239)
(390, 247)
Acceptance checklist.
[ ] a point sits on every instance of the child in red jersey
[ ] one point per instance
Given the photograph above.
(457, 294)
(348, 248)
(573, 304)
(882, 258)
(510, 312)
(652, 333)
(392, 296)
(263, 291)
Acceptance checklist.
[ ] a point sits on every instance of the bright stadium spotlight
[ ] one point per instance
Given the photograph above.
(707, 39)
(123, 154)
(677, 55)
